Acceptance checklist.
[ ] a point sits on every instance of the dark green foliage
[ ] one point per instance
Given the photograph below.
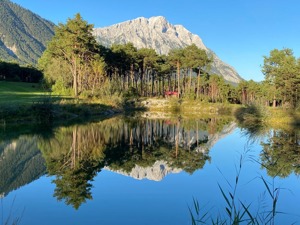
(282, 74)
(250, 114)
(251, 118)
(24, 34)
(281, 151)
(15, 72)
(43, 111)
(75, 46)
(77, 153)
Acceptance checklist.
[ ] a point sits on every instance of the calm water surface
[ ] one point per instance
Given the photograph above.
(144, 171)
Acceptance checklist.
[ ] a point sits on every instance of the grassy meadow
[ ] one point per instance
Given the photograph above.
(29, 102)
(21, 101)
(20, 93)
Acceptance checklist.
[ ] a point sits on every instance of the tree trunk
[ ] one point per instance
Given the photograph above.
(190, 83)
(132, 75)
(198, 83)
(178, 77)
(163, 87)
(274, 101)
(142, 77)
(75, 76)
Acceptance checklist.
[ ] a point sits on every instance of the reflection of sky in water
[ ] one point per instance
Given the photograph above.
(119, 199)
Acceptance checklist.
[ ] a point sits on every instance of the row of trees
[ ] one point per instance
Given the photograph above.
(74, 155)
(15, 72)
(74, 61)
(281, 86)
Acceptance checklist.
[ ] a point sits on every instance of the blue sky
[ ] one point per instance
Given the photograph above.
(240, 32)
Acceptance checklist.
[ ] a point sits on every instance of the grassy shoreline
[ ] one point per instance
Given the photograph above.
(28, 102)
(274, 117)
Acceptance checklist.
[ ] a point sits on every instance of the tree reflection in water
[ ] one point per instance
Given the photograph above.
(281, 152)
(74, 155)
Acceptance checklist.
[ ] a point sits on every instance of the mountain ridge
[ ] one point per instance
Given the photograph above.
(23, 34)
(159, 34)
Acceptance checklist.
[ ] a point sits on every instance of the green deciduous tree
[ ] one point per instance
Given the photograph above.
(281, 71)
(74, 45)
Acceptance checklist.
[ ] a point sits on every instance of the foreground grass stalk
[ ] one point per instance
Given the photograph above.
(236, 210)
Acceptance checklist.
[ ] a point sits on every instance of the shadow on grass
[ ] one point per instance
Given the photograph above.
(42, 116)
(295, 118)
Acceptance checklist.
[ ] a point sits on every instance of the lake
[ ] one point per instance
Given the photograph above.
(146, 171)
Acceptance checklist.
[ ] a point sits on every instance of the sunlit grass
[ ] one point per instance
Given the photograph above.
(20, 93)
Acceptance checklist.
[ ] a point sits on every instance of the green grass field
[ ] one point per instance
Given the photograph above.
(16, 93)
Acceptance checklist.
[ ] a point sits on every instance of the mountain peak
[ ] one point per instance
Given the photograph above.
(160, 23)
(157, 33)
(158, 19)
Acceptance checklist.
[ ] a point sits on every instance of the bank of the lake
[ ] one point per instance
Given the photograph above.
(269, 116)
(22, 102)
(145, 169)
(28, 102)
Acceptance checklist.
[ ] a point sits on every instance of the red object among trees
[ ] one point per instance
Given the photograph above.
(171, 93)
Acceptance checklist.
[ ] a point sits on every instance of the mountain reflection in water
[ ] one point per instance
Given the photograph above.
(140, 148)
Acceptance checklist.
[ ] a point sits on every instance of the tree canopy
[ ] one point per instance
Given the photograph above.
(75, 46)
(282, 73)
(74, 61)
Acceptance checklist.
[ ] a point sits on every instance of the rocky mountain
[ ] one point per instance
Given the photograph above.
(156, 172)
(161, 168)
(20, 163)
(23, 34)
(159, 34)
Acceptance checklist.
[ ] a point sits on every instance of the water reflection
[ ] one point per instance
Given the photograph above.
(135, 147)
(74, 155)
(139, 148)
(20, 163)
(281, 152)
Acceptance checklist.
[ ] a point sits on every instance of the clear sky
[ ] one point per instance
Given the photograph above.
(240, 32)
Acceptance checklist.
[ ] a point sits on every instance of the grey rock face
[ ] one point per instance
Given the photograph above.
(157, 33)
(157, 172)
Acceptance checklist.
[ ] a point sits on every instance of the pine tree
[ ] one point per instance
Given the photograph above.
(73, 44)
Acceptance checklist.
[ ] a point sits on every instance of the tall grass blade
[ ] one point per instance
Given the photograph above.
(267, 186)
(196, 205)
(229, 212)
(225, 197)
(192, 216)
(248, 212)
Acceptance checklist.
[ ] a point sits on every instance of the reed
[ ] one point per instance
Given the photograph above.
(236, 211)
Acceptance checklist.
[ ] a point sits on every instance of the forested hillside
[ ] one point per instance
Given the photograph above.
(21, 163)
(23, 34)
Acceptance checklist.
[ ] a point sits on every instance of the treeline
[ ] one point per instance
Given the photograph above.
(75, 155)
(15, 72)
(74, 62)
